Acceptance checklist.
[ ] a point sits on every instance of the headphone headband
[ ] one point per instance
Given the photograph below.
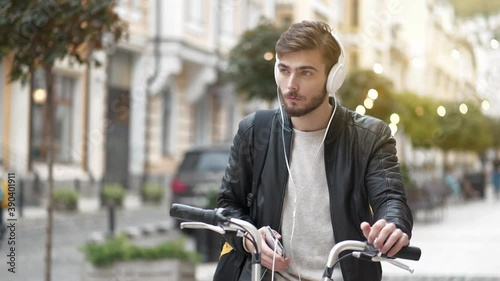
(336, 75)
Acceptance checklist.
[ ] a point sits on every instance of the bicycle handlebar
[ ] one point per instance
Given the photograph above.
(219, 220)
(189, 213)
(407, 253)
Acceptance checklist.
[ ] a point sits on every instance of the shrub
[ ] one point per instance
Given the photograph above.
(212, 199)
(113, 193)
(153, 192)
(122, 249)
(66, 199)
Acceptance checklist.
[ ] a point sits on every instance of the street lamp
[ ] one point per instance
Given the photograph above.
(39, 96)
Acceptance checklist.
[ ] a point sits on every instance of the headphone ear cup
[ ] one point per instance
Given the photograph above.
(336, 78)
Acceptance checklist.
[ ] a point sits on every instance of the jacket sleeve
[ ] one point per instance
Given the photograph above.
(237, 179)
(385, 186)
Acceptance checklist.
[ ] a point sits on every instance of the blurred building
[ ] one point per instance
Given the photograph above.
(189, 104)
(161, 93)
(92, 115)
(131, 120)
(417, 45)
(291, 11)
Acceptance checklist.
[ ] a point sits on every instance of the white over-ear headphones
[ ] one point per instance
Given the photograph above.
(337, 73)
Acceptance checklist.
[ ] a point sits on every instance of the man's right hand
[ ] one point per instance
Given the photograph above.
(280, 263)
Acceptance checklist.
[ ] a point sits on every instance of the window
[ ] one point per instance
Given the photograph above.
(66, 126)
(195, 13)
(253, 15)
(64, 91)
(227, 19)
(202, 121)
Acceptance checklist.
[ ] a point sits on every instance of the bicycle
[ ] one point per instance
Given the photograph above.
(220, 221)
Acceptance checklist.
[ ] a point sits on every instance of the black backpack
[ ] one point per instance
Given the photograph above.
(231, 263)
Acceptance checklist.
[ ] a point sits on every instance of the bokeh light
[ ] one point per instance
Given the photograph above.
(361, 109)
(441, 111)
(373, 94)
(463, 108)
(368, 103)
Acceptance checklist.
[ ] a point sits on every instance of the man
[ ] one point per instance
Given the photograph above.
(496, 177)
(330, 174)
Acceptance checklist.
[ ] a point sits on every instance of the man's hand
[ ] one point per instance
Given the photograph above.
(386, 237)
(266, 258)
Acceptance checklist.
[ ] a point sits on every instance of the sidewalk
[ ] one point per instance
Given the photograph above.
(464, 245)
(85, 205)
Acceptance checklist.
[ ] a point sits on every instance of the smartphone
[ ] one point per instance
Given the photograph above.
(271, 241)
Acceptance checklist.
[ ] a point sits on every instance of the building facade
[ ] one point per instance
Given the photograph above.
(156, 95)
(161, 92)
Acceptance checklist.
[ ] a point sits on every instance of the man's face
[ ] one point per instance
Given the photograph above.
(302, 79)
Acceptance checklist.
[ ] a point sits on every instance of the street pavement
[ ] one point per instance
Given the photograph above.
(463, 245)
(70, 232)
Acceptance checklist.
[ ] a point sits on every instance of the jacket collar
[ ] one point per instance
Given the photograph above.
(335, 125)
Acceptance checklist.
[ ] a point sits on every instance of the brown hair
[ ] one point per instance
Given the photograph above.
(309, 35)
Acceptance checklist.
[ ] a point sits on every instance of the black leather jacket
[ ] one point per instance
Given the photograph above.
(363, 176)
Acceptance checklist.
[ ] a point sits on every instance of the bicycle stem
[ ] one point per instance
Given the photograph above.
(336, 250)
(254, 232)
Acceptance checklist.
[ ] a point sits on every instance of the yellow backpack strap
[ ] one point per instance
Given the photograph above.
(226, 248)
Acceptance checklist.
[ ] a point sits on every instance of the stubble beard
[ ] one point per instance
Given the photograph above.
(312, 105)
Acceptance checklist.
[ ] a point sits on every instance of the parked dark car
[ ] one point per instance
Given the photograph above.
(199, 175)
(196, 183)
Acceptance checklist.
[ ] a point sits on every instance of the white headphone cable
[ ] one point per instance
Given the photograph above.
(274, 258)
(296, 196)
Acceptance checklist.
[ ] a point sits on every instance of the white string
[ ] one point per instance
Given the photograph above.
(290, 173)
(274, 258)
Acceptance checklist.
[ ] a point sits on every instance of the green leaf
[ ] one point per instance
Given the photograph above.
(252, 75)
(42, 32)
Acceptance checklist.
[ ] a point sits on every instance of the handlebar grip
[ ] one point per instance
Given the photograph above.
(190, 213)
(409, 253)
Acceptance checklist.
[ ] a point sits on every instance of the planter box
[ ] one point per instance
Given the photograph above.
(172, 270)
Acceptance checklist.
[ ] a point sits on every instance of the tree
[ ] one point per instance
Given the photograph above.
(355, 90)
(494, 127)
(251, 62)
(471, 8)
(466, 132)
(418, 118)
(35, 34)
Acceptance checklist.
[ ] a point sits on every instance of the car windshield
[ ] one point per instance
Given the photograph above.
(206, 161)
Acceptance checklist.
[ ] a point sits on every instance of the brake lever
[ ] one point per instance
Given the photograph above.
(372, 254)
(201, 225)
(394, 262)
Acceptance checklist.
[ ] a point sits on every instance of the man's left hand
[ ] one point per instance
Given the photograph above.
(386, 237)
